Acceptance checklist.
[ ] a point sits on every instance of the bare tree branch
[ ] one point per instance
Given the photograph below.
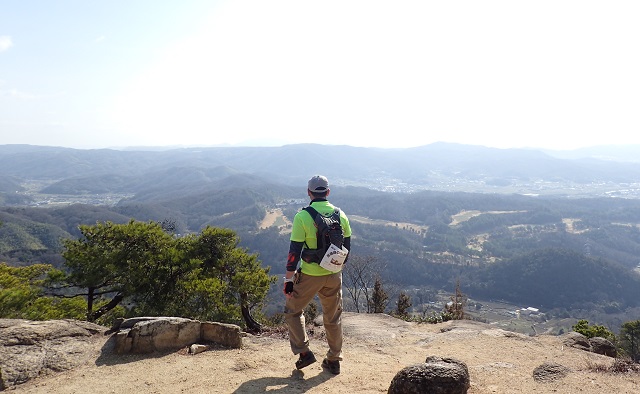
(360, 276)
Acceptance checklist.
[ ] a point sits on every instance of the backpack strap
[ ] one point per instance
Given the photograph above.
(313, 213)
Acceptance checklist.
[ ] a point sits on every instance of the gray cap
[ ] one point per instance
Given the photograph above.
(318, 184)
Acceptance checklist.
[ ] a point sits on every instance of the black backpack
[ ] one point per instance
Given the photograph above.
(329, 231)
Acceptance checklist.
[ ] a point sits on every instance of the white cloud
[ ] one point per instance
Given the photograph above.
(5, 43)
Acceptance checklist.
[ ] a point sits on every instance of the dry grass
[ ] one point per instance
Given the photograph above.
(617, 366)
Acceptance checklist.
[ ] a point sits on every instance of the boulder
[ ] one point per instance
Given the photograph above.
(436, 376)
(596, 345)
(603, 346)
(157, 334)
(228, 335)
(576, 340)
(33, 348)
(142, 335)
(549, 372)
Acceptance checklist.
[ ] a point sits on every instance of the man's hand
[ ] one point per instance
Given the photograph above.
(288, 284)
(288, 288)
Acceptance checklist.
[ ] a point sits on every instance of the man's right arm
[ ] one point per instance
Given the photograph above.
(295, 250)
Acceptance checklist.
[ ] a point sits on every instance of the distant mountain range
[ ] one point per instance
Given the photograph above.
(623, 153)
(238, 188)
(74, 171)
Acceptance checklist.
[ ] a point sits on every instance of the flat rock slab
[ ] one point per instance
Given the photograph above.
(29, 349)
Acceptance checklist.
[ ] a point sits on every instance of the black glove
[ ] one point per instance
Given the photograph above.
(288, 287)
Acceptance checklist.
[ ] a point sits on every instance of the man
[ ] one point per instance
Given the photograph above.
(305, 278)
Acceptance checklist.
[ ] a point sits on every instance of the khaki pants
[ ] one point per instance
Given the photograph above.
(329, 290)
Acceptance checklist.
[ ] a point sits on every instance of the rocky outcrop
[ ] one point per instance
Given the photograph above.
(595, 345)
(228, 335)
(29, 349)
(142, 335)
(435, 375)
(576, 340)
(148, 335)
(33, 348)
(603, 346)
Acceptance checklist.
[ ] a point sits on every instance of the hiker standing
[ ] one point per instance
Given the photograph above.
(305, 278)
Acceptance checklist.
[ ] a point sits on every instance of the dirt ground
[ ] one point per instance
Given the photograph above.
(376, 347)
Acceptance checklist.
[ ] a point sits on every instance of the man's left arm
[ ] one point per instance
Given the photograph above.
(347, 245)
(347, 235)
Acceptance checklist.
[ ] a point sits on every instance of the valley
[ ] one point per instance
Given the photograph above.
(530, 230)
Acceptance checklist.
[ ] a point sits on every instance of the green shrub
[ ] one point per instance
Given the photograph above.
(590, 331)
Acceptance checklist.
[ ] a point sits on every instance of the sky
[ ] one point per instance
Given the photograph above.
(390, 74)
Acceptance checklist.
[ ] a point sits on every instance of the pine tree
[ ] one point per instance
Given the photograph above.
(456, 306)
(630, 339)
(379, 298)
(403, 304)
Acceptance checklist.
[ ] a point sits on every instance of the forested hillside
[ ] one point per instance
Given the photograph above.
(554, 251)
(510, 247)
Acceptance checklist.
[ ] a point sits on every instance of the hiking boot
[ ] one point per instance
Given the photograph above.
(305, 359)
(331, 366)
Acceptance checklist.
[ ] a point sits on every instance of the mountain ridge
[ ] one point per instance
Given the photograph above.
(439, 166)
(292, 164)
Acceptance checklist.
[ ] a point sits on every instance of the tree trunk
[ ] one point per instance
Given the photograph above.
(112, 304)
(252, 324)
(90, 297)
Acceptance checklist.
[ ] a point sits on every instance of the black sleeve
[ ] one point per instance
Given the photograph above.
(347, 243)
(295, 249)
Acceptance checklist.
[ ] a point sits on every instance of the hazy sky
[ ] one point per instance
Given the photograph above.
(89, 74)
